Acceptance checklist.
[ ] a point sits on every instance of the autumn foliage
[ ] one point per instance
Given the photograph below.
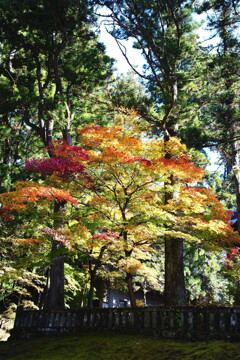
(66, 163)
(126, 176)
(118, 180)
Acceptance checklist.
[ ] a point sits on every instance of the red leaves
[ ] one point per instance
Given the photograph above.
(5, 214)
(66, 163)
(232, 255)
(232, 259)
(62, 149)
(108, 236)
(56, 236)
(63, 167)
(177, 160)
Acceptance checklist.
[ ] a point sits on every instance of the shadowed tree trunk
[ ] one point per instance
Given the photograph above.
(129, 277)
(174, 290)
(93, 268)
(129, 280)
(92, 273)
(55, 294)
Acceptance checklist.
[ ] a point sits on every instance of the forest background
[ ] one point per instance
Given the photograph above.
(58, 241)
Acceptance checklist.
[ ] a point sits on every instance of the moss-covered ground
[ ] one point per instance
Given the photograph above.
(116, 347)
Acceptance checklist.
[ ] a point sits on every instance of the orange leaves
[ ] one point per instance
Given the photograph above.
(34, 194)
(114, 146)
(123, 178)
(96, 136)
(181, 167)
(131, 144)
(28, 241)
(98, 200)
(110, 144)
(134, 173)
(17, 200)
(108, 236)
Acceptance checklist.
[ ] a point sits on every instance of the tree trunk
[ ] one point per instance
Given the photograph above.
(130, 290)
(91, 290)
(55, 296)
(174, 288)
(236, 174)
(174, 284)
(100, 290)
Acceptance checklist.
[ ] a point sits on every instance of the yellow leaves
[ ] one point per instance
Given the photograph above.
(26, 184)
(179, 235)
(81, 233)
(189, 201)
(129, 176)
(174, 147)
(140, 236)
(130, 265)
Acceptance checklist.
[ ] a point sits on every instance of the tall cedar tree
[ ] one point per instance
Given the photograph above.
(163, 31)
(221, 114)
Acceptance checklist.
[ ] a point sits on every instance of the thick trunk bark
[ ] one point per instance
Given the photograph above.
(174, 289)
(55, 296)
(174, 284)
(44, 294)
(100, 290)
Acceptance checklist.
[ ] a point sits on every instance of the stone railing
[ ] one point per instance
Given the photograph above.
(186, 323)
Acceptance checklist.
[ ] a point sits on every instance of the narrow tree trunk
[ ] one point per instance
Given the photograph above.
(236, 175)
(91, 290)
(174, 288)
(130, 290)
(129, 277)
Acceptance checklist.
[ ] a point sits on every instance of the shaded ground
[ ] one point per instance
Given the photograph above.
(116, 347)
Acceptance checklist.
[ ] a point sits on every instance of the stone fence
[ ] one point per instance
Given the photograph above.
(186, 323)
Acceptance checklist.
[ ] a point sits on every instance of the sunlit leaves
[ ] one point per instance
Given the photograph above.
(27, 193)
(121, 180)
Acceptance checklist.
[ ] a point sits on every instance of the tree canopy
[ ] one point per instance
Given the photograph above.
(101, 177)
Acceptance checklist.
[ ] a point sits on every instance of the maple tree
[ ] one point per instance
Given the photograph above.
(133, 176)
(118, 179)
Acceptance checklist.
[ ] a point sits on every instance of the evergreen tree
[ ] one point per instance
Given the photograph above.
(221, 111)
(164, 32)
(50, 57)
